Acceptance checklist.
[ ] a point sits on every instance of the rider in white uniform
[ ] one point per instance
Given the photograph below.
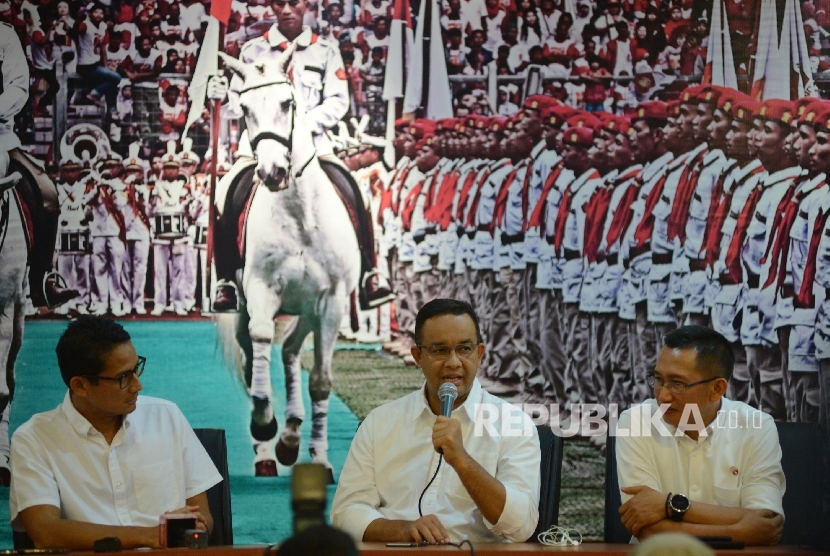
(320, 78)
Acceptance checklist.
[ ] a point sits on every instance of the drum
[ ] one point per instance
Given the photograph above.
(200, 236)
(75, 242)
(170, 226)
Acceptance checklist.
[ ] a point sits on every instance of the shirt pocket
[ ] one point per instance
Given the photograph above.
(155, 488)
(728, 497)
(488, 460)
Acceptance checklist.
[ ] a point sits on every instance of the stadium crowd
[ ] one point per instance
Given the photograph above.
(121, 48)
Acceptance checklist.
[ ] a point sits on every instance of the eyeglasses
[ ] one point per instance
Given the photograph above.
(125, 378)
(673, 386)
(441, 351)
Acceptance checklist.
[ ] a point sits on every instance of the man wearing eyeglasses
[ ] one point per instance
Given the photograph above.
(708, 465)
(415, 476)
(106, 462)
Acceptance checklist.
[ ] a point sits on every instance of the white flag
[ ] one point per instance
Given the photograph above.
(782, 61)
(720, 64)
(438, 104)
(206, 66)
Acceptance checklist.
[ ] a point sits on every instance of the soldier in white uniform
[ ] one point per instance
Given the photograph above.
(569, 243)
(168, 209)
(134, 276)
(724, 239)
(758, 332)
(106, 197)
(803, 391)
(189, 164)
(651, 150)
(711, 124)
(74, 246)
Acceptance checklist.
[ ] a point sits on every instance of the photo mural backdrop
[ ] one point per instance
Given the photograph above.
(588, 174)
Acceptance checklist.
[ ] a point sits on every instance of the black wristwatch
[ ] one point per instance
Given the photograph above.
(676, 506)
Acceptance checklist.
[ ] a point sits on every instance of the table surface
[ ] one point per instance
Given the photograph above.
(482, 549)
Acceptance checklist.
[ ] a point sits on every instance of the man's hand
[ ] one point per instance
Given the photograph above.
(446, 438)
(201, 524)
(429, 529)
(647, 507)
(761, 527)
(217, 87)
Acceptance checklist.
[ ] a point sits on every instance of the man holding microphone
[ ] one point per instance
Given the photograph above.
(478, 486)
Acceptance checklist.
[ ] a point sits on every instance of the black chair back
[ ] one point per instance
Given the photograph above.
(615, 531)
(551, 480)
(219, 495)
(802, 462)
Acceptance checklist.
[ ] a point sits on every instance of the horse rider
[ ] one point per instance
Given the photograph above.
(320, 78)
(41, 198)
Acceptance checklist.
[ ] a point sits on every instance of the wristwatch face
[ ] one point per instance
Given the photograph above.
(679, 503)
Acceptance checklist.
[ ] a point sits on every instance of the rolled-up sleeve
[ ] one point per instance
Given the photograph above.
(635, 464)
(357, 499)
(518, 470)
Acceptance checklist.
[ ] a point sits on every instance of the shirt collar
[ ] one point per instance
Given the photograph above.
(469, 405)
(80, 423)
(275, 38)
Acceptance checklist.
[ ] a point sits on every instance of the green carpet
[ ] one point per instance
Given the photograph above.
(184, 366)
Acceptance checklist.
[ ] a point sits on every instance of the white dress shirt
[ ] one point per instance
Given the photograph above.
(392, 459)
(737, 464)
(154, 464)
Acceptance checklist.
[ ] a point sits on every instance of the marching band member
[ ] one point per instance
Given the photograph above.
(137, 256)
(73, 235)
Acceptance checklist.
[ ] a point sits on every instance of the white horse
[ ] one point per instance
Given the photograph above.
(13, 254)
(301, 259)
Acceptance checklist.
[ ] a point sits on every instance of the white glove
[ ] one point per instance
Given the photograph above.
(217, 88)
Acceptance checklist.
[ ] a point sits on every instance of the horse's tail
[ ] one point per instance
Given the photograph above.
(227, 326)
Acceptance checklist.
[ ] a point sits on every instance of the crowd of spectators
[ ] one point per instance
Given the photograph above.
(127, 50)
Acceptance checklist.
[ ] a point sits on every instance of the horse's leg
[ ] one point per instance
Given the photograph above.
(288, 446)
(263, 304)
(7, 390)
(319, 383)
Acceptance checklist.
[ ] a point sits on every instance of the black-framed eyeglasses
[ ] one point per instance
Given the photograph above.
(443, 351)
(675, 387)
(125, 378)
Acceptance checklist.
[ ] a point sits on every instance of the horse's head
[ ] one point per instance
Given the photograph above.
(269, 102)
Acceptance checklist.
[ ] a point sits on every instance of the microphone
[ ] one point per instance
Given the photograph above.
(447, 393)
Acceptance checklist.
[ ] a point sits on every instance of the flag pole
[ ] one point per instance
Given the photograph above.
(215, 123)
(426, 44)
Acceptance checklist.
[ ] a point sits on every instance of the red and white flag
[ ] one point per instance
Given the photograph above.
(399, 51)
(782, 61)
(720, 64)
(221, 10)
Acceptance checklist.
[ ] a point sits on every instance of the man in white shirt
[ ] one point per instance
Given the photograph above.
(707, 465)
(105, 463)
(393, 486)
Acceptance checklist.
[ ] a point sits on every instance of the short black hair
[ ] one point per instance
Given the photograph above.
(442, 306)
(84, 344)
(320, 540)
(715, 357)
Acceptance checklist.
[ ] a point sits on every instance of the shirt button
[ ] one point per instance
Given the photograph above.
(118, 485)
(694, 488)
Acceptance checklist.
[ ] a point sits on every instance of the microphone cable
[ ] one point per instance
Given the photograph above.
(421, 498)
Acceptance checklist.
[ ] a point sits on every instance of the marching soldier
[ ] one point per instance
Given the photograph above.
(724, 237)
(134, 276)
(106, 197)
(73, 234)
(651, 150)
(758, 333)
(168, 208)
